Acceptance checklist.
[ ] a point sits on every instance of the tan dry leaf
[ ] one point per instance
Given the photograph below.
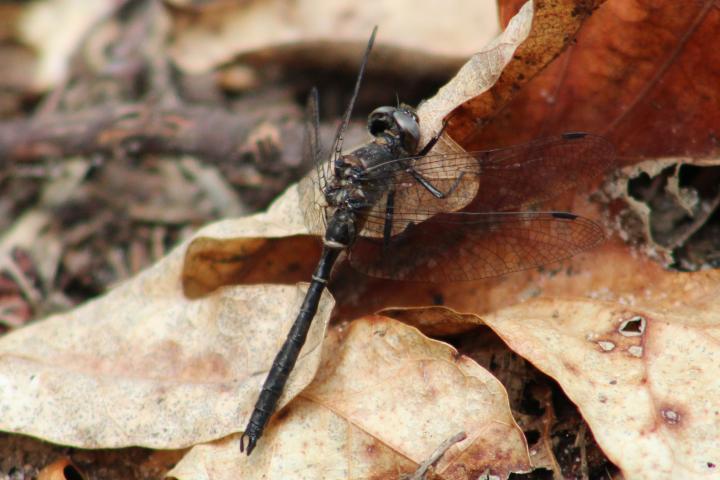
(384, 398)
(434, 321)
(145, 365)
(645, 379)
(423, 31)
(475, 77)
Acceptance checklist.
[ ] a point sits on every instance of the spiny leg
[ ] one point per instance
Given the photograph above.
(430, 187)
(428, 146)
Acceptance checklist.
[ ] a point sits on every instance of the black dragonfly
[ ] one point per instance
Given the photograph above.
(403, 213)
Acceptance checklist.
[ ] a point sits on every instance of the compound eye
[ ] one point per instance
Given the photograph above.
(381, 120)
(409, 130)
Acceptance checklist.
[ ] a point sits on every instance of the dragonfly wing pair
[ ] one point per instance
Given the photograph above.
(476, 230)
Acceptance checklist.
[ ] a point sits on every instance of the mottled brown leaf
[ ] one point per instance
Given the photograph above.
(554, 26)
(643, 73)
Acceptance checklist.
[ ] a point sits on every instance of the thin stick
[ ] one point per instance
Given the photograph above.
(422, 471)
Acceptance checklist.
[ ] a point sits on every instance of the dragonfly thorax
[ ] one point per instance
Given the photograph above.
(362, 177)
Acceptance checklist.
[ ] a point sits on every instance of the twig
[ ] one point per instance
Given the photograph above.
(217, 136)
(422, 471)
(580, 442)
(701, 218)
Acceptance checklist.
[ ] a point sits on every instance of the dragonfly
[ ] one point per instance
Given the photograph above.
(400, 212)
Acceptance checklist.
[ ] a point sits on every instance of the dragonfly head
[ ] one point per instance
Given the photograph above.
(398, 125)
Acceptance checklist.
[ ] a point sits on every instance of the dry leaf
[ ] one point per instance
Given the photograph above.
(477, 76)
(645, 379)
(554, 26)
(643, 74)
(139, 365)
(384, 398)
(434, 321)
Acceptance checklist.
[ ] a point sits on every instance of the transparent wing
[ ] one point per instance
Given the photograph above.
(462, 246)
(498, 180)
(311, 187)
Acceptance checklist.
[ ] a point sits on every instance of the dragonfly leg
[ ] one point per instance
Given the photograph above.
(430, 187)
(428, 146)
